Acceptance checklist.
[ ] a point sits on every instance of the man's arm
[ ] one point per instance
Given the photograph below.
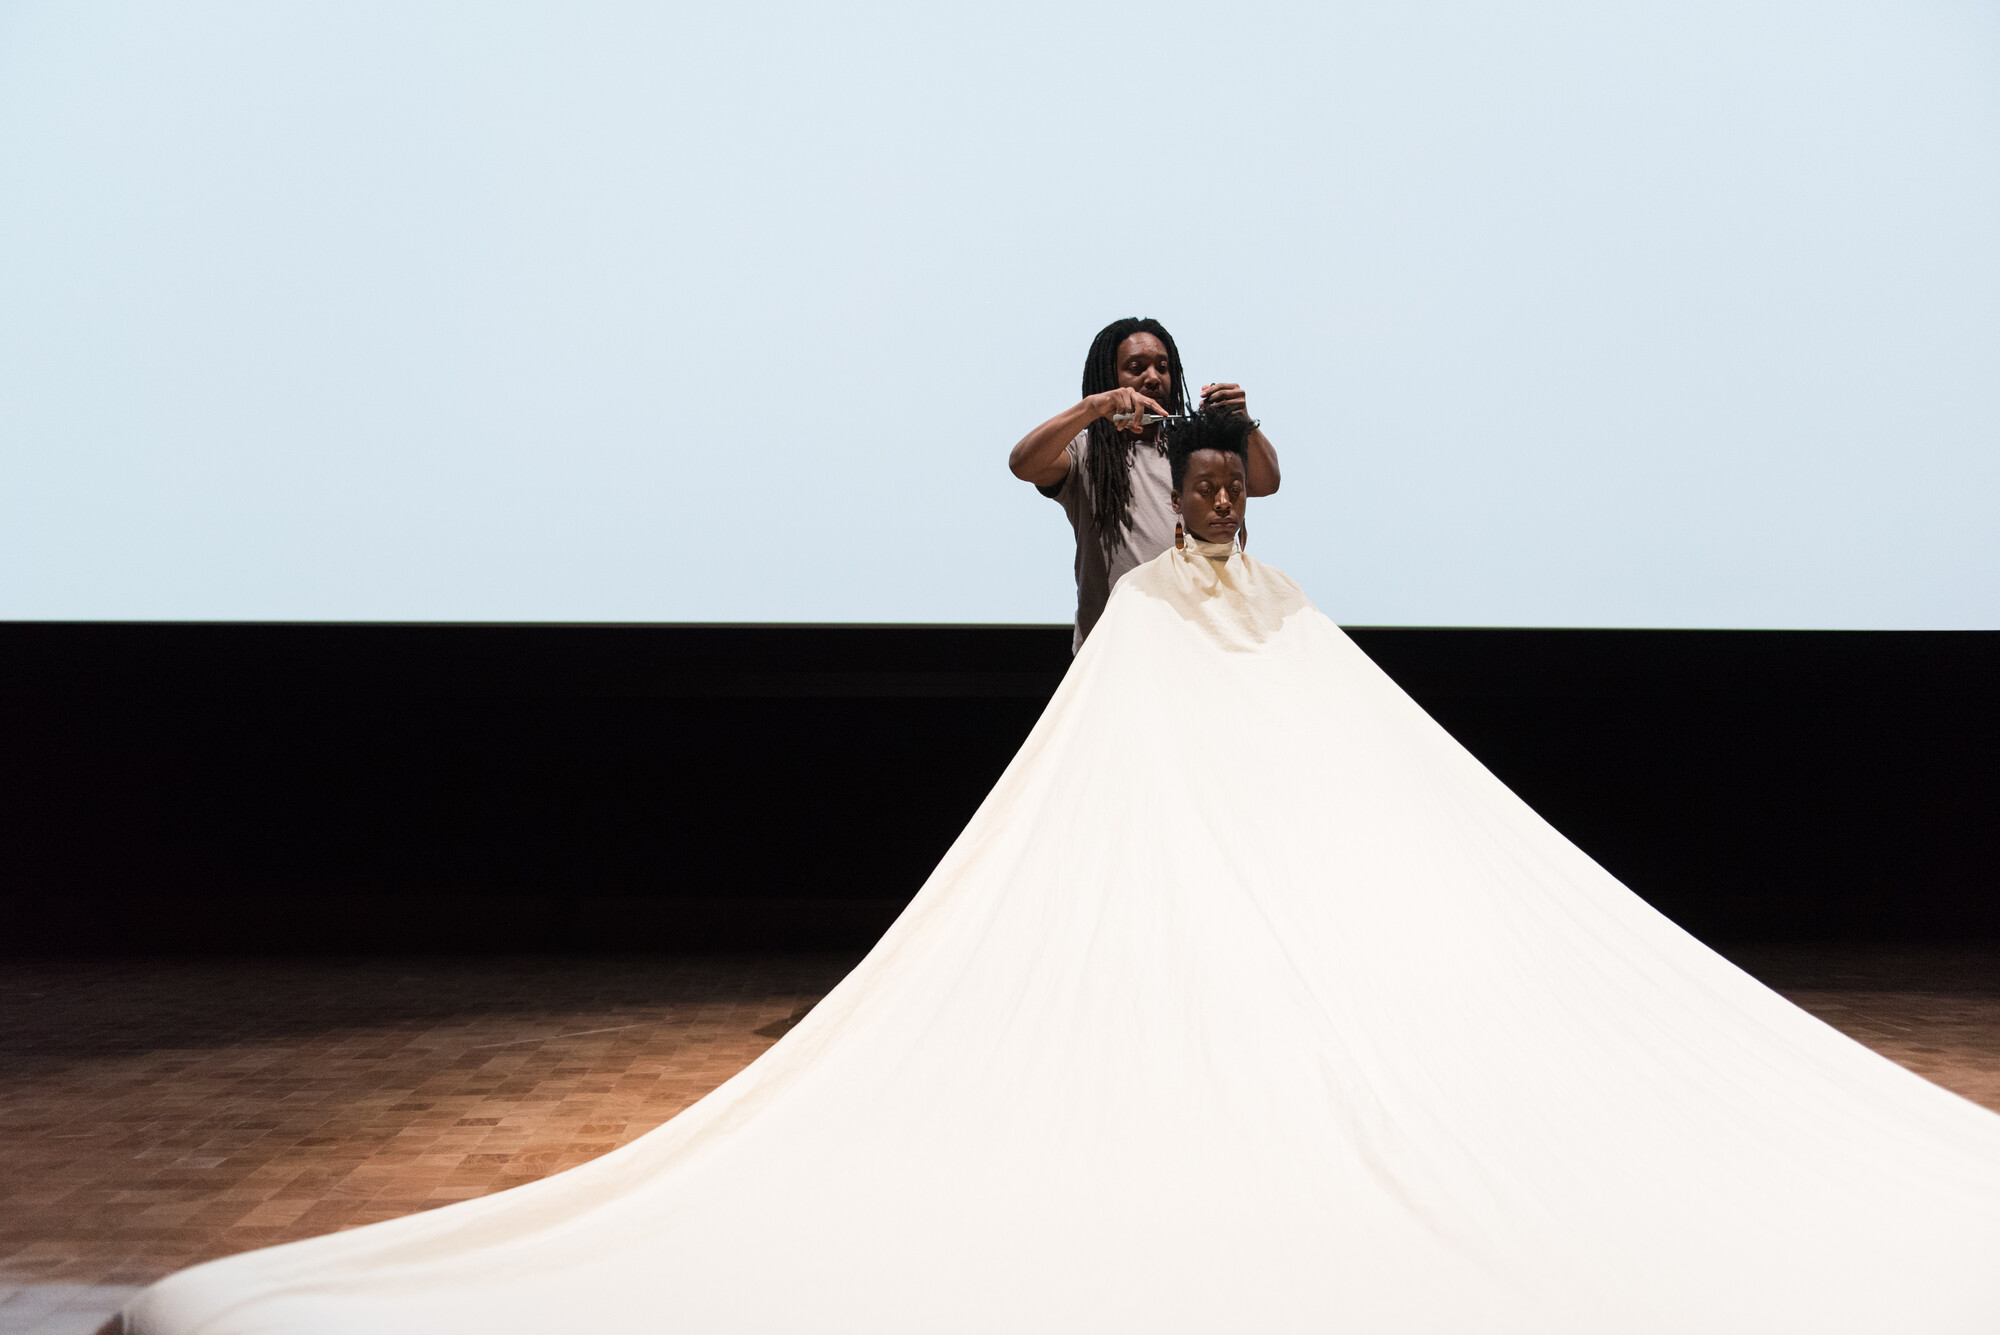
(1263, 459)
(1263, 464)
(1042, 457)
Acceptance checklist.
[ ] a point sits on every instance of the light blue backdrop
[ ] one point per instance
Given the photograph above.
(1675, 314)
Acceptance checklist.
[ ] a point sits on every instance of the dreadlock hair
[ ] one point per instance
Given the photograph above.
(1224, 429)
(1108, 459)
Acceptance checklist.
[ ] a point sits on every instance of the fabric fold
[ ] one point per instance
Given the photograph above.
(1248, 1000)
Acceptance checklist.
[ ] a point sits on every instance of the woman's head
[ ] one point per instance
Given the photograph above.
(1208, 456)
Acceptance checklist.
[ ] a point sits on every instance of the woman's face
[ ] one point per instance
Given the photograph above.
(1211, 497)
(1142, 365)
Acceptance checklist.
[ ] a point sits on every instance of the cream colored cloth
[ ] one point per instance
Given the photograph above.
(1248, 1001)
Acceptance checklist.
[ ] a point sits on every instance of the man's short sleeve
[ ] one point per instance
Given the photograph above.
(1073, 478)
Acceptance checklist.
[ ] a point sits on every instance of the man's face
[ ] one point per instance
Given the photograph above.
(1142, 365)
(1211, 497)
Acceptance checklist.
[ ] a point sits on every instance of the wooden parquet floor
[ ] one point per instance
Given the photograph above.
(155, 1114)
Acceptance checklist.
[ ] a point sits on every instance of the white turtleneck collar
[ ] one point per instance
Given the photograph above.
(1214, 551)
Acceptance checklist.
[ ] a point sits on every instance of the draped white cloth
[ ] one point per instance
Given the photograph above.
(1248, 1001)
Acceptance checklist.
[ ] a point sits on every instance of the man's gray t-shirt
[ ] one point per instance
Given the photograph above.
(1149, 528)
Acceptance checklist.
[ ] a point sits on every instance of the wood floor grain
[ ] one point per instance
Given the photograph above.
(157, 1114)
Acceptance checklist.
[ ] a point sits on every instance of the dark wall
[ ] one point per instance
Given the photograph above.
(172, 787)
(1748, 783)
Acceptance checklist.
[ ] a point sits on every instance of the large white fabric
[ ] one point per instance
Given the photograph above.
(1248, 1001)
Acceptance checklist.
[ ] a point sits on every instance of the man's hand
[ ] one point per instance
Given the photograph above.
(1263, 460)
(1114, 402)
(1229, 398)
(1042, 457)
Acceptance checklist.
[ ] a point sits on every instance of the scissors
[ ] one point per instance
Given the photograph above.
(1122, 420)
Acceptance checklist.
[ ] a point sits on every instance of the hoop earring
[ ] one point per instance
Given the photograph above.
(1180, 538)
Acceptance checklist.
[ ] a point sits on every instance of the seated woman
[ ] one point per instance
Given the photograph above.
(1208, 458)
(1247, 1001)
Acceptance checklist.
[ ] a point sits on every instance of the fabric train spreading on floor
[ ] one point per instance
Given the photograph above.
(1248, 1001)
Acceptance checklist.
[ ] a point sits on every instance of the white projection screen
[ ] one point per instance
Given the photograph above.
(1678, 314)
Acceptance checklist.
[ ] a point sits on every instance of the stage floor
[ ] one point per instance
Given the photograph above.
(155, 1114)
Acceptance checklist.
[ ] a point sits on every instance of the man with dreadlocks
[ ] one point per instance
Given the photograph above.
(1111, 479)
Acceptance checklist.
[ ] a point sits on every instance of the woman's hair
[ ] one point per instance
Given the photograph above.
(1110, 452)
(1223, 429)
